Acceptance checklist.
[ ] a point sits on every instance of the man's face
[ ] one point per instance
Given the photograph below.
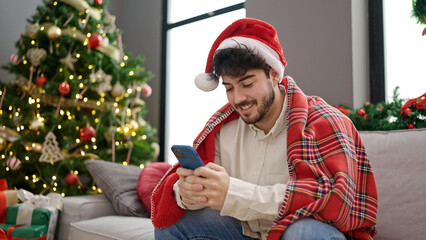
(252, 95)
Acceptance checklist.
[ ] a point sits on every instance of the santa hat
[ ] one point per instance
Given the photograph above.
(252, 33)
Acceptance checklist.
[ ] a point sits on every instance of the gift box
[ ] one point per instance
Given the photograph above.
(36, 218)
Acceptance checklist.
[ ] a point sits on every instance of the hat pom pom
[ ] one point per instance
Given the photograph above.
(206, 82)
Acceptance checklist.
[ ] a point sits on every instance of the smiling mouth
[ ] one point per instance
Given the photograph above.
(245, 106)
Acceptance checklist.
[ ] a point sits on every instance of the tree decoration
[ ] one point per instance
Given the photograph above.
(69, 61)
(41, 81)
(53, 32)
(14, 59)
(13, 163)
(109, 25)
(71, 179)
(95, 40)
(51, 151)
(36, 56)
(117, 90)
(87, 133)
(103, 79)
(32, 30)
(98, 2)
(146, 90)
(64, 88)
(3, 144)
(36, 124)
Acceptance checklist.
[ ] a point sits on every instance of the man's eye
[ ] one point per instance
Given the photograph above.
(229, 89)
(248, 85)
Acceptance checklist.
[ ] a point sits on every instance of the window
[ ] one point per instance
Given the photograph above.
(189, 37)
(397, 48)
(404, 50)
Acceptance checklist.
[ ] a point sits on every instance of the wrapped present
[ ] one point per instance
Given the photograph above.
(35, 218)
(3, 200)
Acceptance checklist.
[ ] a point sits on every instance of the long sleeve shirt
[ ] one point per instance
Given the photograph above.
(258, 174)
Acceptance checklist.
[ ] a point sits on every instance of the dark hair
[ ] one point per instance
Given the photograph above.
(236, 62)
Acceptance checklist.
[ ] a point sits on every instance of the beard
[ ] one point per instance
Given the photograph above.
(263, 108)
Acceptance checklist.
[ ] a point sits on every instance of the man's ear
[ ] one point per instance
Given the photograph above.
(274, 77)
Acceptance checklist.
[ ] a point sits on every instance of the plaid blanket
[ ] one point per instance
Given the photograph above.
(330, 177)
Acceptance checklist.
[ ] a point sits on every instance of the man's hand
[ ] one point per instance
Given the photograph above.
(206, 185)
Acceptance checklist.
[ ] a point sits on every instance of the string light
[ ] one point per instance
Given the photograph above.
(125, 163)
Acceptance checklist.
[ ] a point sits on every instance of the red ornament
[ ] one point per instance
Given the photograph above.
(146, 90)
(95, 40)
(64, 88)
(343, 110)
(87, 133)
(410, 126)
(424, 32)
(40, 81)
(360, 112)
(98, 2)
(71, 179)
(407, 111)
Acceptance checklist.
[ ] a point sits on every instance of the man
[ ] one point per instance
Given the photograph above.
(280, 164)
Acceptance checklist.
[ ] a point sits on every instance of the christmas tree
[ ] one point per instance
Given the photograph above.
(76, 97)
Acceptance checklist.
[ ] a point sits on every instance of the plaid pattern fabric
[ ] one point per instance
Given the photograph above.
(330, 177)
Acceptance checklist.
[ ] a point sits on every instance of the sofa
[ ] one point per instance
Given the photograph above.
(398, 160)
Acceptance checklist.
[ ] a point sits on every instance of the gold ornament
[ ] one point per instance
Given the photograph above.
(3, 144)
(53, 32)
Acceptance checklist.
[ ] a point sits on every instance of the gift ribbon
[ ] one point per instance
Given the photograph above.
(51, 202)
(3, 186)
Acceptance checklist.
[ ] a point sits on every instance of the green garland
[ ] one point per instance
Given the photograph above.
(389, 116)
(419, 11)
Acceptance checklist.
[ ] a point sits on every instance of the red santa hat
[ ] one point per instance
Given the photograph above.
(252, 33)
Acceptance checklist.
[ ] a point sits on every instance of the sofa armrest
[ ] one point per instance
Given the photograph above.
(78, 208)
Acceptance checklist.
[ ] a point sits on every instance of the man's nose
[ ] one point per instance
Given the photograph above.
(239, 96)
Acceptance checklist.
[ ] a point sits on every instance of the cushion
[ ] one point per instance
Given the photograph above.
(148, 179)
(118, 183)
(112, 228)
(399, 165)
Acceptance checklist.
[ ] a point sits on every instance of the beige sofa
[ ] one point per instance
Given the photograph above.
(398, 159)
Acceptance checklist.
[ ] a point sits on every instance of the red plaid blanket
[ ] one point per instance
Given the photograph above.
(330, 176)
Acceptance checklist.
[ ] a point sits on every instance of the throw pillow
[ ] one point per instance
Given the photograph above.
(118, 183)
(148, 180)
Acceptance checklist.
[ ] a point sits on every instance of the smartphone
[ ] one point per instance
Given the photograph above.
(187, 156)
